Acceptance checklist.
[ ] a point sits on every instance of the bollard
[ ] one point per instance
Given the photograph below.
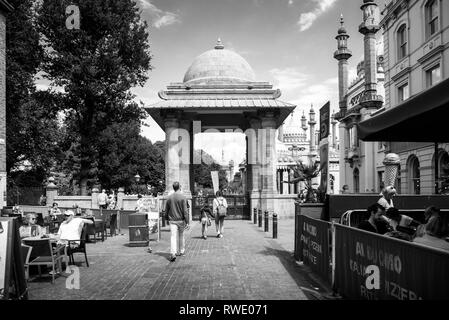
(255, 216)
(259, 216)
(163, 218)
(266, 221)
(275, 226)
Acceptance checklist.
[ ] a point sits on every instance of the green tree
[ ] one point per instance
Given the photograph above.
(96, 66)
(124, 153)
(31, 117)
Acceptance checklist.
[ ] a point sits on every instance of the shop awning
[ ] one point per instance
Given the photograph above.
(422, 118)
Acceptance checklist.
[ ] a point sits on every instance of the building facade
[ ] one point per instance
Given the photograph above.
(416, 34)
(358, 101)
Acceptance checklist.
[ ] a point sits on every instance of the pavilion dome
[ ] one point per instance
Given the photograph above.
(219, 66)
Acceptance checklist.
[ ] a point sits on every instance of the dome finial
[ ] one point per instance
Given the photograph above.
(342, 20)
(219, 45)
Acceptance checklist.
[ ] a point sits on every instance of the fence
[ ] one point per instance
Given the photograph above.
(369, 266)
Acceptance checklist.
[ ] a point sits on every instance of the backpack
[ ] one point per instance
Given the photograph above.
(222, 211)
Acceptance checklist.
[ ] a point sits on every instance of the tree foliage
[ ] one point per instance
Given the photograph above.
(31, 117)
(95, 66)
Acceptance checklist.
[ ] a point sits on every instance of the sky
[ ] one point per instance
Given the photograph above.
(289, 43)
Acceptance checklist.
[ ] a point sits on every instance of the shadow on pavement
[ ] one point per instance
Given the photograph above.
(311, 288)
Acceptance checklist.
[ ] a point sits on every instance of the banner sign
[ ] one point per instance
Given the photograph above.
(375, 267)
(150, 206)
(314, 248)
(5, 260)
(324, 147)
(215, 181)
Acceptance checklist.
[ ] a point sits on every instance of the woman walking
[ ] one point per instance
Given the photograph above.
(205, 219)
(220, 208)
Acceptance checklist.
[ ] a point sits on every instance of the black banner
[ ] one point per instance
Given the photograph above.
(375, 267)
(314, 248)
(324, 121)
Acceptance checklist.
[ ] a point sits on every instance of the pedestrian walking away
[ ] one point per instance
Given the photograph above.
(220, 209)
(205, 219)
(103, 199)
(177, 214)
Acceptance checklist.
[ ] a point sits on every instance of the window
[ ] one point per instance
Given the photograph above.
(402, 42)
(433, 75)
(414, 176)
(403, 92)
(432, 17)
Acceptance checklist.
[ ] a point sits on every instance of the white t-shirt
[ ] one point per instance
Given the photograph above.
(71, 230)
(102, 198)
(384, 203)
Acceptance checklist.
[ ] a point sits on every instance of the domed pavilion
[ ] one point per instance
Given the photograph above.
(220, 93)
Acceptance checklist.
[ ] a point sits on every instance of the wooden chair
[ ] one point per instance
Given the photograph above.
(81, 248)
(44, 254)
(26, 253)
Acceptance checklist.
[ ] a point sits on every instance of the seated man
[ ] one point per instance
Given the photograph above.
(31, 229)
(400, 220)
(70, 230)
(376, 221)
(54, 211)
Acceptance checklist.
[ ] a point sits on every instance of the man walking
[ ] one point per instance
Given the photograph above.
(178, 215)
(103, 199)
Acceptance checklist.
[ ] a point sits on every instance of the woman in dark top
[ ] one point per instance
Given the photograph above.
(205, 216)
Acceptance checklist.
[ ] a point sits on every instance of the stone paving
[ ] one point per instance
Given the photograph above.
(247, 264)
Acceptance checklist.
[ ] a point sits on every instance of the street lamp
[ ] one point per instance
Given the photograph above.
(137, 177)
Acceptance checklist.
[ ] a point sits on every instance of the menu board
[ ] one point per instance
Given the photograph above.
(5, 252)
(150, 206)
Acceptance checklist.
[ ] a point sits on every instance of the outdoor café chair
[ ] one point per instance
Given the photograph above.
(26, 253)
(81, 248)
(44, 254)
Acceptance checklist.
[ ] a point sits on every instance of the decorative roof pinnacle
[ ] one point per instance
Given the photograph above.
(219, 45)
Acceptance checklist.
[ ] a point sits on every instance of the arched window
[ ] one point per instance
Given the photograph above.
(402, 42)
(414, 176)
(432, 13)
(356, 181)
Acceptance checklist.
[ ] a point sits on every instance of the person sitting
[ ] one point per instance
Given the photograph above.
(436, 232)
(31, 229)
(398, 220)
(430, 212)
(70, 229)
(55, 211)
(376, 221)
(387, 194)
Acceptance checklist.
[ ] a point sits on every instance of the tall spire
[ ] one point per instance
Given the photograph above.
(343, 54)
(219, 45)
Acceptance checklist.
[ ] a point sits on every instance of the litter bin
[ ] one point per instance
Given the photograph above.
(138, 230)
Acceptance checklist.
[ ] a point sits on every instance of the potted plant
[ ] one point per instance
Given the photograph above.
(305, 171)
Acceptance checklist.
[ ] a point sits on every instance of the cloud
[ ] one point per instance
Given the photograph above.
(159, 18)
(290, 2)
(307, 19)
(288, 79)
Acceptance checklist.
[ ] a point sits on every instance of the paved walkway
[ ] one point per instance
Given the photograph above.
(247, 264)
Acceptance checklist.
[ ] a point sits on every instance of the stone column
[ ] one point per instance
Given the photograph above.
(268, 165)
(171, 124)
(254, 163)
(51, 191)
(120, 196)
(185, 147)
(95, 193)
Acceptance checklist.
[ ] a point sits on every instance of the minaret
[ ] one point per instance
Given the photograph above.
(369, 28)
(304, 124)
(342, 55)
(334, 132)
(312, 123)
